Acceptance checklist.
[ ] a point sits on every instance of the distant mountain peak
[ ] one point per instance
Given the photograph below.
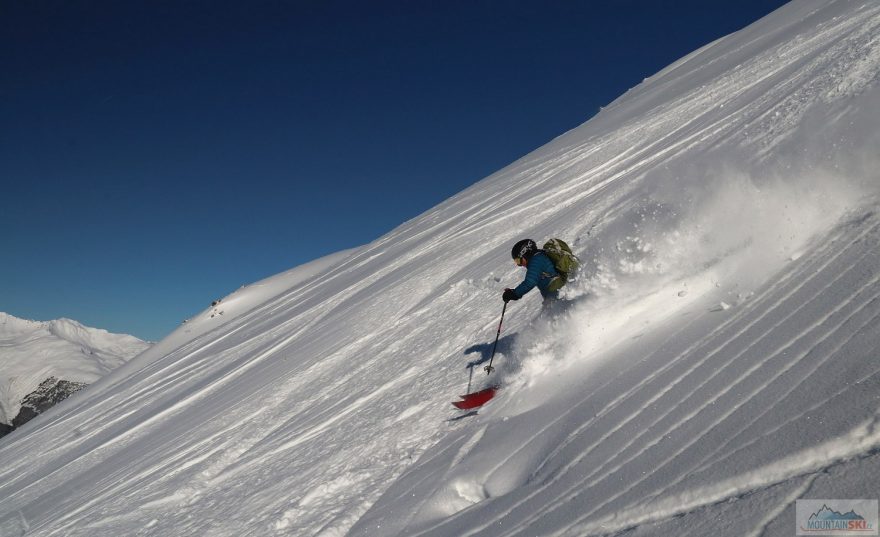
(32, 352)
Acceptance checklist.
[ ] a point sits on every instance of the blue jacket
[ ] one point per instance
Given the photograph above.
(540, 272)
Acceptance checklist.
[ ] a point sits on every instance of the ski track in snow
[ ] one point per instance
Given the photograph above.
(753, 317)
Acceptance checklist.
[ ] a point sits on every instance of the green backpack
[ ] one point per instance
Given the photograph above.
(564, 260)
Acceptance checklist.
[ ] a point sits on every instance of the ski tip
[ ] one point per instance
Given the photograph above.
(475, 399)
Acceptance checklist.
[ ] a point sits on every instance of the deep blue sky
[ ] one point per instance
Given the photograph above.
(156, 155)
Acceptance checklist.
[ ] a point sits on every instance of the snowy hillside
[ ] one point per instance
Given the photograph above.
(717, 360)
(32, 351)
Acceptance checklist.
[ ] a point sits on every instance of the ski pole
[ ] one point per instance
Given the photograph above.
(489, 367)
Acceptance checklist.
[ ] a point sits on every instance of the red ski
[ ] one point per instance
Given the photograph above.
(476, 399)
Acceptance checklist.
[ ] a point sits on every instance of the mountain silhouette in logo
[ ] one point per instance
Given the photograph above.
(826, 513)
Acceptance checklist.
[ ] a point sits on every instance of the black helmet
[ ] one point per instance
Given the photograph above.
(525, 248)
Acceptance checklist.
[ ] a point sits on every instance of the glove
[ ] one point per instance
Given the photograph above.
(509, 294)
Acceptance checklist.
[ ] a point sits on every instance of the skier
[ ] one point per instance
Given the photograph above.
(540, 272)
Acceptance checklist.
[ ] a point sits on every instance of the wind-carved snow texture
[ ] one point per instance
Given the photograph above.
(716, 360)
(701, 419)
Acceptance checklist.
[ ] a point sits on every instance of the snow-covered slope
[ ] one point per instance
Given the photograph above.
(32, 351)
(716, 362)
